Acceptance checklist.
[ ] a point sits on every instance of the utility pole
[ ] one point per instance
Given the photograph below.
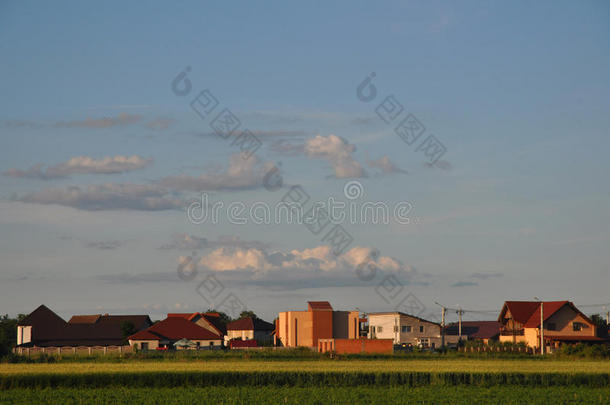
(460, 312)
(443, 309)
(541, 326)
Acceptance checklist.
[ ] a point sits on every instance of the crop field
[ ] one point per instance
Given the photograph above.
(311, 396)
(308, 381)
(371, 366)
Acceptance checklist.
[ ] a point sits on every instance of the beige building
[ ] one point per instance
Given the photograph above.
(320, 321)
(406, 329)
(250, 329)
(563, 323)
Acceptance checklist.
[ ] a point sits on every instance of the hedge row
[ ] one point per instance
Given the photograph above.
(301, 379)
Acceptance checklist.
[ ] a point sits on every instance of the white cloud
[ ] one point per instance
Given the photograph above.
(385, 165)
(83, 165)
(108, 197)
(318, 258)
(240, 174)
(339, 152)
(104, 122)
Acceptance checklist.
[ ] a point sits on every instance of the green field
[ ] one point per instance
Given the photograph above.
(322, 381)
(296, 395)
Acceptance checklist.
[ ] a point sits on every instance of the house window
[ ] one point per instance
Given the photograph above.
(395, 328)
(551, 326)
(421, 329)
(379, 329)
(406, 329)
(576, 326)
(372, 329)
(211, 344)
(144, 346)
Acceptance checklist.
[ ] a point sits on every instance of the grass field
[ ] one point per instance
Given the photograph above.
(441, 365)
(323, 381)
(296, 395)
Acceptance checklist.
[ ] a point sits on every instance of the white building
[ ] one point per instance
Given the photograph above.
(404, 329)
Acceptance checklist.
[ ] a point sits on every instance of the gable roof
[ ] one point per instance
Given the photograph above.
(48, 329)
(174, 328)
(319, 306)
(42, 316)
(403, 315)
(84, 318)
(475, 329)
(527, 313)
(250, 323)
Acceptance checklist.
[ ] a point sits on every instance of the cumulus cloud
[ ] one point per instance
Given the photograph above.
(122, 119)
(339, 152)
(192, 242)
(295, 269)
(108, 197)
(83, 165)
(385, 165)
(318, 258)
(240, 174)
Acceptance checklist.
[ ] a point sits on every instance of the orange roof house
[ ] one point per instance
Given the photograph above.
(562, 323)
(165, 333)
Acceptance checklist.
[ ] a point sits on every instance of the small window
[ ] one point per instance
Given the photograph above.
(551, 326)
(144, 346)
(380, 329)
(372, 329)
(395, 328)
(211, 344)
(409, 329)
(421, 329)
(403, 329)
(576, 326)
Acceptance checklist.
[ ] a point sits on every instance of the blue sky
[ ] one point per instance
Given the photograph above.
(515, 208)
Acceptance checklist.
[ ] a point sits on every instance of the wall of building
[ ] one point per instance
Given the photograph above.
(563, 320)
(322, 326)
(24, 334)
(345, 325)
(392, 328)
(354, 346)
(240, 334)
(296, 328)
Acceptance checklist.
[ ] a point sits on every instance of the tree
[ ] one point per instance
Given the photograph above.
(8, 333)
(128, 329)
(247, 314)
(224, 318)
(600, 322)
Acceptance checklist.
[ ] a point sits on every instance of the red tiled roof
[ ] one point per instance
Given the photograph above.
(84, 318)
(319, 306)
(527, 313)
(175, 328)
(548, 310)
(188, 316)
(475, 329)
(250, 324)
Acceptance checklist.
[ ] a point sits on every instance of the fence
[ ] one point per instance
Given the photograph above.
(73, 350)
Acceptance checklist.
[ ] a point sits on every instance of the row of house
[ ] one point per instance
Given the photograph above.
(319, 327)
